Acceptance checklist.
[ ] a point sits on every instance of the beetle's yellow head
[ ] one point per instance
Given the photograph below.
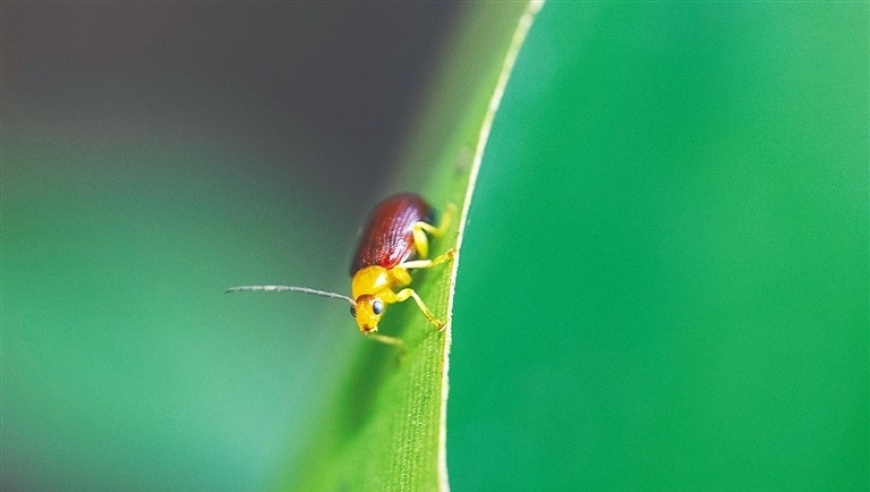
(368, 311)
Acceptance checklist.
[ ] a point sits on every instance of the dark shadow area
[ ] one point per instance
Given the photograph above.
(343, 78)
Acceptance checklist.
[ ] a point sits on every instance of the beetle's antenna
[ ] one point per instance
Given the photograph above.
(291, 288)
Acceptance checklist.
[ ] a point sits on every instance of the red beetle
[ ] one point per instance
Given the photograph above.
(395, 240)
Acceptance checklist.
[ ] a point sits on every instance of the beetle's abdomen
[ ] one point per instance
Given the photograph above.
(388, 238)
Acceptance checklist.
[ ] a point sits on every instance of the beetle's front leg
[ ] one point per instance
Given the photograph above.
(404, 294)
(397, 342)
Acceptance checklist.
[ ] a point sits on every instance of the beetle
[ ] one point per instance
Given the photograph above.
(394, 241)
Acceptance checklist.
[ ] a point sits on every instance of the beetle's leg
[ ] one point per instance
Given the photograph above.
(391, 297)
(404, 294)
(429, 263)
(421, 242)
(446, 220)
(387, 340)
(399, 277)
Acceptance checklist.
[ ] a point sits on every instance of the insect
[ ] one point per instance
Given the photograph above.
(395, 241)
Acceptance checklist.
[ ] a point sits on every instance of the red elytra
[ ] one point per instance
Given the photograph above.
(388, 239)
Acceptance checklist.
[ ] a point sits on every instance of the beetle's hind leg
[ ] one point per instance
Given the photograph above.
(446, 220)
(421, 241)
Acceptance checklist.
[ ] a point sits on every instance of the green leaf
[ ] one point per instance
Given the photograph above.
(386, 428)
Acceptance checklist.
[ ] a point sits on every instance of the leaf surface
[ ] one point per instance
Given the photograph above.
(385, 430)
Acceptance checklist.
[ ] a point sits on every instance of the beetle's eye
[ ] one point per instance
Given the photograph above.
(353, 310)
(377, 307)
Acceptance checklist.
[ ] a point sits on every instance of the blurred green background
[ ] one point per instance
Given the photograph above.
(665, 279)
(664, 282)
(154, 154)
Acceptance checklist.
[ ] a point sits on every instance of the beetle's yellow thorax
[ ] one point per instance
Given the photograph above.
(370, 280)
